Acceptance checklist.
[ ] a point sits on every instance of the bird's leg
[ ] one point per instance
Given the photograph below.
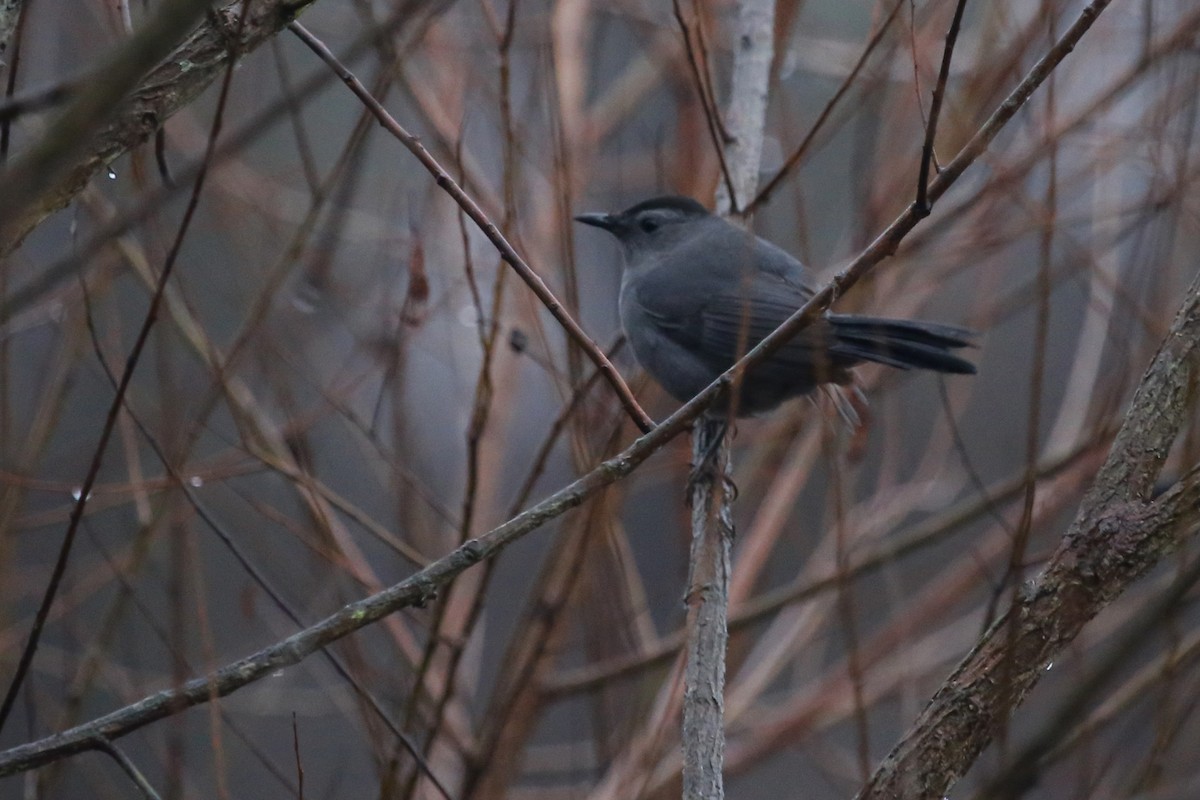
(707, 463)
(708, 457)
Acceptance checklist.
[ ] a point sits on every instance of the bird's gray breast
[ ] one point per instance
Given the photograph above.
(662, 326)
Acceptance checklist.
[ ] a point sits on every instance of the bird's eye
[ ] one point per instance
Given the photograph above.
(648, 224)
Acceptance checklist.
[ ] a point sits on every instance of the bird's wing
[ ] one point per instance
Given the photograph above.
(735, 321)
(727, 318)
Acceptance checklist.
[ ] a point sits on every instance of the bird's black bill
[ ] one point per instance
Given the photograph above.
(604, 221)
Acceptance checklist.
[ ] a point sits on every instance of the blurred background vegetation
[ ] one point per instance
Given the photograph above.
(345, 382)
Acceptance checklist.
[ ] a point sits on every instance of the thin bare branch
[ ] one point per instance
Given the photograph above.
(510, 255)
(935, 108)
(802, 149)
(707, 101)
(127, 766)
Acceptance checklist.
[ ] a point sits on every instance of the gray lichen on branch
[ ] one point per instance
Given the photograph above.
(146, 80)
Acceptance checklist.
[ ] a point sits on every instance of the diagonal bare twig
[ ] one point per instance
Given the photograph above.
(935, 107)
(127, 766)
(510, 256)
(801, 150)
(887, 242)
(707, 100)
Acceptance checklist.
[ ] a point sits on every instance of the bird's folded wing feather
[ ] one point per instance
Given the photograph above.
(725, 323)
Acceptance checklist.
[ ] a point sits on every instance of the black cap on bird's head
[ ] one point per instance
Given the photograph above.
(685, 206)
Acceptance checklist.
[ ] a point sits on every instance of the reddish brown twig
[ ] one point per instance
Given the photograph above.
(510, 256)
(935, 107)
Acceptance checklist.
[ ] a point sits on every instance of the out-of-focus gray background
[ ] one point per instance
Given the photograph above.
(318, 375)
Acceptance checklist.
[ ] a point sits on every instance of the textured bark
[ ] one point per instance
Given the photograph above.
(703, 734)
(88, 136)
(10, 14)
(754, 50)
(1118, 534)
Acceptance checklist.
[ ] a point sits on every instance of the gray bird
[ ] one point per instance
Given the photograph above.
(698, 292)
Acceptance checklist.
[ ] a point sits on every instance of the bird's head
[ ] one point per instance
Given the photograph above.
(652, 226)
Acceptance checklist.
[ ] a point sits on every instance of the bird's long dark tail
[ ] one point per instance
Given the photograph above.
(904, 344)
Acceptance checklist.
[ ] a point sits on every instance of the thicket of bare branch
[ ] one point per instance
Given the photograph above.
(317, 480)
